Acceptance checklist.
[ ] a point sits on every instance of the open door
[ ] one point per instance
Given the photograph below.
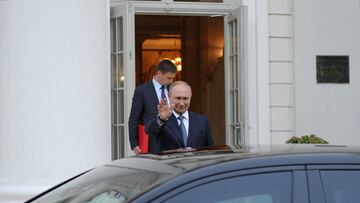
(196, 43)
(236, 76)
(122, 69)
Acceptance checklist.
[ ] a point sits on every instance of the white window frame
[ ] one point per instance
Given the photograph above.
(237, 128)
(125, 12)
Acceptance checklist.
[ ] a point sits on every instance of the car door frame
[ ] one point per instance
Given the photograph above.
(316, 189)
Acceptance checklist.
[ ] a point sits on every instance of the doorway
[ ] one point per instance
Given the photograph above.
(196, 46)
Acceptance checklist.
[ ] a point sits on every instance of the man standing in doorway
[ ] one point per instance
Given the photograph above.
(145, 100)
(174, 126)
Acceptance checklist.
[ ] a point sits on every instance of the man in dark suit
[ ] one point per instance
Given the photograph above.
(145, 100)
(174, 126)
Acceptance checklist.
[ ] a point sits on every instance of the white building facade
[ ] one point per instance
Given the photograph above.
(57, 62)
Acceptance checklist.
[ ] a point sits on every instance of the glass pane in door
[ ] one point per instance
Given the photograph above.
(117, 88)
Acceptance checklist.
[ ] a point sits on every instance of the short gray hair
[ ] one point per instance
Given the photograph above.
(179, 82)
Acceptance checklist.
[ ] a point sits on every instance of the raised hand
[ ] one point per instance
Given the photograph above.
(164, 109)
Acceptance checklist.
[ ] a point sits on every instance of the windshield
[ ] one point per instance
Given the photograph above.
(106, 184)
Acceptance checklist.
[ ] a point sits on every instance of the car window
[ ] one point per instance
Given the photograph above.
(341, 186)
(256, 188)
(111, 196)
(103, 185)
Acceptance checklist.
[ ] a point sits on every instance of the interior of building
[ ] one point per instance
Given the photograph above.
(196, 46)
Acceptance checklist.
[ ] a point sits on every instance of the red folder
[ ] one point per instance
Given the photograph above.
(143, 139)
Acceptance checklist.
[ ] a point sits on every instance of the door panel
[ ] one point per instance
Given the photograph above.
(122, 68)
(235, 29)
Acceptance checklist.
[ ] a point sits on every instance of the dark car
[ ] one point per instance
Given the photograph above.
(286, 173)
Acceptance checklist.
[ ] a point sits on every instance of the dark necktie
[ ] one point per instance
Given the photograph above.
(183, 129)
(163, 92)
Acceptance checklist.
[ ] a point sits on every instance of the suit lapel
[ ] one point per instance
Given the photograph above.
(191, 132)
(154, 98)
(175, 130)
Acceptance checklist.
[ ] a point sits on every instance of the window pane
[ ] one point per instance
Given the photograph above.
(341, 186)
(231, 35)
(114, 71)
(120, 104)
(114, 107)
(258, 188)
(119, 32)
(236, 72)
(117, 141)
(120, 74)
(120, 139)
(113, 35)
(235, 38)
(114, 141)
(233, 72)
(117, 104)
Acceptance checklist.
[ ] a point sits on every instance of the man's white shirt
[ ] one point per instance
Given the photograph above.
(185, 120)
(158, 90)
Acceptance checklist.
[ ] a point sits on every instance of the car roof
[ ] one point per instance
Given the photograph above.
(183, 160)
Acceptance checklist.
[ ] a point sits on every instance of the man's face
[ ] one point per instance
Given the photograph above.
(180, 95)
(165, 78)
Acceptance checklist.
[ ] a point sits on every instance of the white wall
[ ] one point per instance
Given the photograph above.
(332, 111)
(54, 92)
(281, 70)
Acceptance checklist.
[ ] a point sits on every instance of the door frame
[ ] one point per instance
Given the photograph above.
(257, 133)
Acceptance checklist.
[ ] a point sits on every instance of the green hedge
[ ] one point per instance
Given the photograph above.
(307, 139)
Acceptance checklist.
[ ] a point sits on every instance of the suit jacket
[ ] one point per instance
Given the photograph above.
(144, 105)
(169, 134)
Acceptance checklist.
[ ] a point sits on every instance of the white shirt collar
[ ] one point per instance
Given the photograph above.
(156, 84)
(186, 114)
